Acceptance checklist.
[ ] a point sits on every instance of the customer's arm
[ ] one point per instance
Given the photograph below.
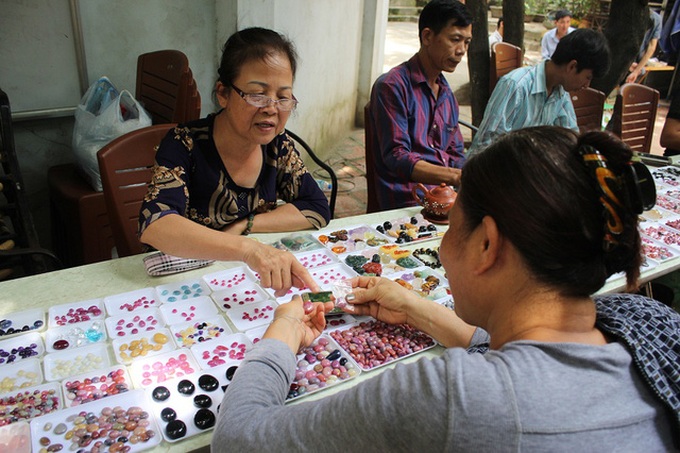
(670, 135)
(636, 68)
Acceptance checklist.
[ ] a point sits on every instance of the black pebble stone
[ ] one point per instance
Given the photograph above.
(204, 419)
(224, 387)
(343, 361)
(186, 387)
(230, 372)
(176, 429)
(202, 401)
(168, 414)
(208, 383)
(335, 355)
(160, 393)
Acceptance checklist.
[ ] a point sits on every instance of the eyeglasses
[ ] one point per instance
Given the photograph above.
(261, 101)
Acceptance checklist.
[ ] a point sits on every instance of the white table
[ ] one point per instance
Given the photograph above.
(126, 274)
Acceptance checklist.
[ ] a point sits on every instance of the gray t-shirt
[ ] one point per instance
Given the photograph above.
(527, 396)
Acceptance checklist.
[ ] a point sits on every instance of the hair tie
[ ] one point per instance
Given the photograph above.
(609, 185)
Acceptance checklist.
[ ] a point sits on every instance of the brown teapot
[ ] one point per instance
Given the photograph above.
(437, 202)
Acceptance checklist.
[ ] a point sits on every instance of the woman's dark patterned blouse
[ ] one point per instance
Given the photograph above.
(190, 179)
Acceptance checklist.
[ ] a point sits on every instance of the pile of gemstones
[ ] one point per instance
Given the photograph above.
(27, 404)
(20, 352)
(6, 327)
(96, 387)
(198, 333)
(376, 343)
(113, 430)
(142, 346)
(80, 314)
(407, 231)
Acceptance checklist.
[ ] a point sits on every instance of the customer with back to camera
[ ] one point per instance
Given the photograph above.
(542, 219)
(218, 179)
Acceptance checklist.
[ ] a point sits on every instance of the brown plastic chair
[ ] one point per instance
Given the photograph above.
(635, 126)
(505, 57)
(166, 87)
(125, 165)
(589, 108)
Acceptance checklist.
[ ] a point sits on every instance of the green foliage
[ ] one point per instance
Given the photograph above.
(579, 8)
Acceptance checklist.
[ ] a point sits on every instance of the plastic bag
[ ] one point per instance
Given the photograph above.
(103, 115)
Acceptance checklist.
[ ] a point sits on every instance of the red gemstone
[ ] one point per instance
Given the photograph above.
(60, 344)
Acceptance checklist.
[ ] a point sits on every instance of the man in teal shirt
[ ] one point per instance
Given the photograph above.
(538, 95)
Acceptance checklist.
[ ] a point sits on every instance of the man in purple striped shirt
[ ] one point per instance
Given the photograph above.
(414, 114)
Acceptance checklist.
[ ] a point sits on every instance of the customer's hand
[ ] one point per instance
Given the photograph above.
(380, 298)
(298, 324)
(278, 269)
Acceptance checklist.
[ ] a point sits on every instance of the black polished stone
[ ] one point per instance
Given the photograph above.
(202, 401)
(186, 387)
(168, 414)
(204, 419)
(176, 429)
(160, 393)
(208, 383)
(230, 372)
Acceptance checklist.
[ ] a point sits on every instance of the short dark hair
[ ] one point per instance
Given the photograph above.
(588, 47)
(559, 14)
(252, 44)
(500, 21)
(535, 185)
(438, 13)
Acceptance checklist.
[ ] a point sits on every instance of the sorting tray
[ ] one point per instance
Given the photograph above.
(134, 323)
(163, 367)
(415, 280)
(249, 316)
(122, 347)
(244, 293)
(315, 371)
(175, 292)
(404, 230)
(656, 250)
(76, 335)
(11, 348)
(391, 258)
(350, 239)
(61, 365)
(188, 334)
(229, 278)
(316, 258)
(188, 310)
(67, 314)
(299, 242)
(353, 341)
(210, 383)
(131, 301)
(215, 353)
(14, 406)
(135, 398)
(24, 321)
(20, 375)
(95, 385)
(668, 203)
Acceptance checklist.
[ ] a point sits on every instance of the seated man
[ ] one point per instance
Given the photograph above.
(414, 114)
(552, 37)
(538, 95)
(497, 36)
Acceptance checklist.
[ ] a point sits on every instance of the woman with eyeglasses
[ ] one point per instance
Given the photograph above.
(533, 361)
(218, 179)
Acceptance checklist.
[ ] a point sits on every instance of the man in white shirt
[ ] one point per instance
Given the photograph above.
(552, 37)
(497, 36)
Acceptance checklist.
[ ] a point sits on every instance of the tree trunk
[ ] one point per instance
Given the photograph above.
(625, 29)
(513, 22)
(478, 59)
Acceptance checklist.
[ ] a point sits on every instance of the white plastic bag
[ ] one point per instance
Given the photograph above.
(103, 115)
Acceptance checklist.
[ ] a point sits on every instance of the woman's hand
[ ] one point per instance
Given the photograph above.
(380, 298)
(298, 324)
(278, 269)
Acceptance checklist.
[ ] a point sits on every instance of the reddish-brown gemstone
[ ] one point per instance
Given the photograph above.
(60, 344)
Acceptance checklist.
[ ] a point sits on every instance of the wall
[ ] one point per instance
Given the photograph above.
(332, 79)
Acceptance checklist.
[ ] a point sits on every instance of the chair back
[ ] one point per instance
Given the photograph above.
(322, 164)
(589, 107)
(638, 105)
(166, 87)
(505, 57)
(125, 165)
(371, 144)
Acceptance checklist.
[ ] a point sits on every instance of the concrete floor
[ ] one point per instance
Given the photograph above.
(401, 43)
